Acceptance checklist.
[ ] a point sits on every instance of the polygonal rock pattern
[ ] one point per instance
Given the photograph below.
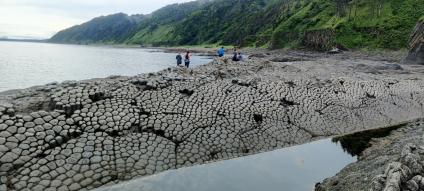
(100, 132)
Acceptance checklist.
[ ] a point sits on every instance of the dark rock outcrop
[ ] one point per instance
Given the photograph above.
(319, 39)
(416, 52)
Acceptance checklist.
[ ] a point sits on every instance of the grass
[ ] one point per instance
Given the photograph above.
(158, 36)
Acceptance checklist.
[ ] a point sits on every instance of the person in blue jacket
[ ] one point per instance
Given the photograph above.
(221, 52)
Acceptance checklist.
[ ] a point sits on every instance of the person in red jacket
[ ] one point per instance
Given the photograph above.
(187, 58)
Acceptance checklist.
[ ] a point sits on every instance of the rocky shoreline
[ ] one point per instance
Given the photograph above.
(81, 135)
(392, 163)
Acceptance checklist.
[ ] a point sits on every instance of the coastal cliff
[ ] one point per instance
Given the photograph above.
(81, 135)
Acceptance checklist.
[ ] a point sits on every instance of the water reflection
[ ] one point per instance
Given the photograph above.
(355, 143)
(297, 168)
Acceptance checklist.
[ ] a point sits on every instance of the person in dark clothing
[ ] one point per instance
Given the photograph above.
(187, 58)
(179, 59)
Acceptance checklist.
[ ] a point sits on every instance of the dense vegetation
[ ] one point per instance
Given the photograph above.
(355, 23)
(370, 24)
(159, 28)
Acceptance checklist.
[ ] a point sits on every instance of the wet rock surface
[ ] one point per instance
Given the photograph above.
(86, 134)
(392, 163)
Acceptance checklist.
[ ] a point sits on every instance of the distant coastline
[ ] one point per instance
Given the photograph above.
(24, 40)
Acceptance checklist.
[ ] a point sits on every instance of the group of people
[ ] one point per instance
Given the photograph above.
(221, 52)
(187, 58)
(236, 54)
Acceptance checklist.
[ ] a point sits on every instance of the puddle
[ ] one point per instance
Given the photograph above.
(296, 168)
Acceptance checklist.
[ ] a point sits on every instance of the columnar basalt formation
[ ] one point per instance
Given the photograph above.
(82, 135)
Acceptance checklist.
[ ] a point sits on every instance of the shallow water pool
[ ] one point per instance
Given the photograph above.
(296, 168)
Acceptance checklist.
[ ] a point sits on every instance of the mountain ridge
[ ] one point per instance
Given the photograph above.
(113, 28)
(316, 24)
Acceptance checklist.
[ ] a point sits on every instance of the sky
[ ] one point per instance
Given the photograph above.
(40, 19)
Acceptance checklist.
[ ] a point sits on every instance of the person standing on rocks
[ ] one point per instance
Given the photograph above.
(236, 57)
(179, 59)
(187, 58)
(221, 52)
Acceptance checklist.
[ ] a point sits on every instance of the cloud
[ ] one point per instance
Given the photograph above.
(42, 18)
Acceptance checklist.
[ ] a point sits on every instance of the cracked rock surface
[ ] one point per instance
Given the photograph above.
(86, 134)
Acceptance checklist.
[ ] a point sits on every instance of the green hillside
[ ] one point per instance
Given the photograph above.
(114, 28)
(318, 24)
(159, 28)
(352, 24)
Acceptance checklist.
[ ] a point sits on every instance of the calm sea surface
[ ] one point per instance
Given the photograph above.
(296, 168)
(25, 64)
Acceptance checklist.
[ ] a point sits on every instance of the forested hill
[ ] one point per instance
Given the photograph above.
(119, 28)
(318, 24)
(105, 29)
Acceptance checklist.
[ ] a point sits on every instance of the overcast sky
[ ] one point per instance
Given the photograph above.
(43, 18)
